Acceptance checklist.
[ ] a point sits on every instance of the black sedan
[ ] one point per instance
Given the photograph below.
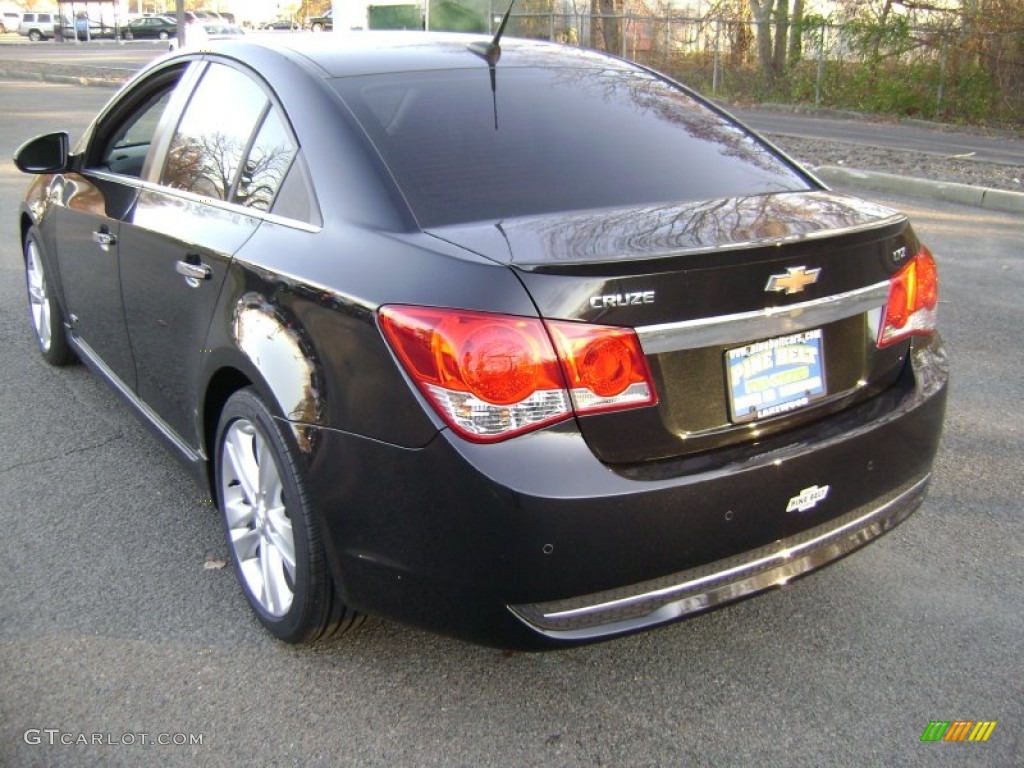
(151, 27)
(517, 342)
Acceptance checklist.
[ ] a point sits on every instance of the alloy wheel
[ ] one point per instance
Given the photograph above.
(259, 528)
(39, 300)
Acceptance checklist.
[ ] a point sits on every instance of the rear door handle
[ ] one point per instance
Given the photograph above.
(193, 273)
(104, 238)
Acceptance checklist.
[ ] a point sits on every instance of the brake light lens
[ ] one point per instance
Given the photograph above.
(604, 366)
(494, 376)
(913, 301)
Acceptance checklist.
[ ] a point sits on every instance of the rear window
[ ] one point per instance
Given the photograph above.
(551, 140)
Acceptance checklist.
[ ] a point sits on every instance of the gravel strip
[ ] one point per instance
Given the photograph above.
(922, 165)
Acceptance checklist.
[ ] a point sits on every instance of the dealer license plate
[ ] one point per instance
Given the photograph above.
(768, 378)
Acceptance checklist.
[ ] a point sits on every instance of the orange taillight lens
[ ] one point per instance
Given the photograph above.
(605, 366)
(913, 299)
(493, 376)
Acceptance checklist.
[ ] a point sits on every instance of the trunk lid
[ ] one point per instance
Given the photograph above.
(756, 314)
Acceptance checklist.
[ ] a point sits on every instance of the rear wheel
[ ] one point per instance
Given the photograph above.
(275, 544)
(163, 34)
(47, 320)
(35, 35)
(318, 27)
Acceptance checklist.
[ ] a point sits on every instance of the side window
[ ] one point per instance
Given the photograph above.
(267, 164)
(127, 147)
(207, 148)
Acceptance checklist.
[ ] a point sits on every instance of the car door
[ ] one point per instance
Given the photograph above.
(92, 206)
(184, 229)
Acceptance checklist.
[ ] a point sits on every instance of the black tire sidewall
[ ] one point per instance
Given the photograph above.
(303, 617)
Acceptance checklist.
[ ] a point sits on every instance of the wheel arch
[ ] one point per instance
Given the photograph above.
(221, 386)
(25, 224)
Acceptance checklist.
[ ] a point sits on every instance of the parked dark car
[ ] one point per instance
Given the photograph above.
(532, 351)
(151, 28)
(323, 23)
(281, 24)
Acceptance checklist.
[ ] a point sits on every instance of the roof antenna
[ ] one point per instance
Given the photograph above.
(491, 52)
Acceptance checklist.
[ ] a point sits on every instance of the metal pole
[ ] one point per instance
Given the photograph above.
(942, 80)
(717, 57)
(179, 6)
(821, 67)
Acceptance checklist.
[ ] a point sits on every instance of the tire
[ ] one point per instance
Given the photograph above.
(274, 543)
(163, 35)
(45, 312)
(35, 35)
(128, 36)
(318, 27)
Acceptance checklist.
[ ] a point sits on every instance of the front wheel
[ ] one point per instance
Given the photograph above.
(35, 35)
(47, 320)
(163, 35)
(318, 27)
(275, 544)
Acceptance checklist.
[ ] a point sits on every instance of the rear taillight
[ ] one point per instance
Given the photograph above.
(913, 298)
(494, 376)
(604, 366)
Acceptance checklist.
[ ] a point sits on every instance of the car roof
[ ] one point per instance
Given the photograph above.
(350, 54)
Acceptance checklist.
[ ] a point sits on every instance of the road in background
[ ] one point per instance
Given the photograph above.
(937, 140)
(112, 624)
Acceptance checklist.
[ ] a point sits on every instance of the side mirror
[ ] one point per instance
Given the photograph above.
(44, 154)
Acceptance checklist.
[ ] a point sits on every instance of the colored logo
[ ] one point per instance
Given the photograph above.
(794, 281)
(958, 730)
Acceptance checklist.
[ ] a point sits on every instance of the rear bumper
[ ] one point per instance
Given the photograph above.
(535, 543)
(638, 606)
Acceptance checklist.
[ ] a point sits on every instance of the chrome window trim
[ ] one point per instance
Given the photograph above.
(763, 323)
(191, 197)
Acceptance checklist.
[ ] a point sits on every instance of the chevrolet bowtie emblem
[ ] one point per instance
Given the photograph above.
(794, 281)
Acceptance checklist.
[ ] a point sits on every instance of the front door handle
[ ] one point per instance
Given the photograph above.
(104, 238)
(193, 273)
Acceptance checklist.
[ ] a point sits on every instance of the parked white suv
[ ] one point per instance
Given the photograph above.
(37, 26)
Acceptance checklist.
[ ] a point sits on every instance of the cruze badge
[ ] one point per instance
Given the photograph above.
(808, 498)
(622, 299)
(794, 281)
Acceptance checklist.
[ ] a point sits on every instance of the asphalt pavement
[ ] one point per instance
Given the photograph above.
(116, 632)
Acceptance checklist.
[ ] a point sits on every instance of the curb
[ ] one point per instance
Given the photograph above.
(964, 194)
(115, 81)
(46, 77)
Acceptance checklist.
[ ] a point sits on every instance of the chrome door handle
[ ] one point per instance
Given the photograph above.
(105, 239)
(193, 273)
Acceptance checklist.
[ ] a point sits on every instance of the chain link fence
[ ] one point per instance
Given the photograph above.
(925, 73)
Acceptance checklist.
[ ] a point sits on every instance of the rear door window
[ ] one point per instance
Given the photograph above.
(206, 152)
(267, 164)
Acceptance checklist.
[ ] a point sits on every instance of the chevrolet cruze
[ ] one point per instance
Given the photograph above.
(514, 341)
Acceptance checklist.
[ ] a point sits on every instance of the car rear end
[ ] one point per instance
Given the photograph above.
(732, 376)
